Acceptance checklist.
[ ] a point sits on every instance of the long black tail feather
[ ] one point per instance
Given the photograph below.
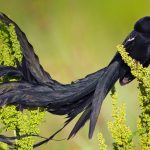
(104, 85)
(8, 140)
(33, 95)
(10, 71)
(36, 88)
(81, 122)
(30, 64)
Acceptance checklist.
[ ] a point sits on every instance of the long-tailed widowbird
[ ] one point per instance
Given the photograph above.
(37, 89)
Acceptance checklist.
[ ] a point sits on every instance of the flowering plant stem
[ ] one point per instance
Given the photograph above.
(121, 133)
(11, 118)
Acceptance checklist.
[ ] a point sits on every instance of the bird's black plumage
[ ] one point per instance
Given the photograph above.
(36, 88)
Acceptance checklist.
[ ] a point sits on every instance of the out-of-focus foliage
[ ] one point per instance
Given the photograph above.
(21, 122)
(74, 38)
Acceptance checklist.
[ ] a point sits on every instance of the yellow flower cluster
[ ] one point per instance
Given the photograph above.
(25, 122)
(10, 49)
(121, 133)
(143, 76)
(102, 144)
(22, 123)
(137, 69)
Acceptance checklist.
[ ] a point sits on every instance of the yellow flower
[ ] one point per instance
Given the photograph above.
(102, 144)
(143, 76)
(120, 132)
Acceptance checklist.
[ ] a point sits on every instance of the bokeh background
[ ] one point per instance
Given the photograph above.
(72, 39)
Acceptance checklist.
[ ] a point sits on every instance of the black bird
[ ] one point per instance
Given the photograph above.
(37, 89)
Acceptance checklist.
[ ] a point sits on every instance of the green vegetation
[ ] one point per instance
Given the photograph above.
(21, 122)
(27, 122)
(65, 31)
(121, 133)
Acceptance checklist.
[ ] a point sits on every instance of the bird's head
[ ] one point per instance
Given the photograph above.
(143, 25)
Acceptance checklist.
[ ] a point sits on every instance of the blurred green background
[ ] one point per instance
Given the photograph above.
(72, 39)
